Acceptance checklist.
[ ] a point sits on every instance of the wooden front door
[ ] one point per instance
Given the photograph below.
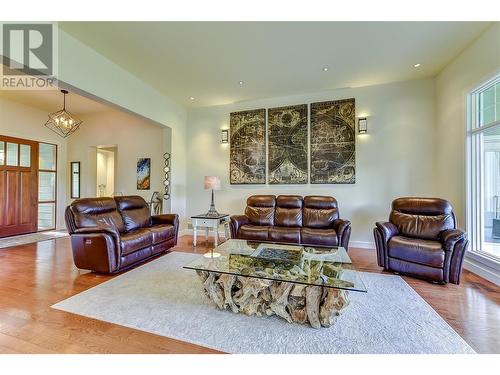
(18, 186)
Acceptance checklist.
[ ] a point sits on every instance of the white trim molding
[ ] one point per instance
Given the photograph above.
(482, 266)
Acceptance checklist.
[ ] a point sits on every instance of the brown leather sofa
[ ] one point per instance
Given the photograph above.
(312, 220)
(421, 239)
(109, 235)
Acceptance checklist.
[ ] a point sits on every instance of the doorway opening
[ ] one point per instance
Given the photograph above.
(106, 171)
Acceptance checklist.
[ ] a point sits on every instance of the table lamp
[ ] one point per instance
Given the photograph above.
(213, 183)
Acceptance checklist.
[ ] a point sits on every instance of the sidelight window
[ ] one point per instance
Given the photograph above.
(483, 150)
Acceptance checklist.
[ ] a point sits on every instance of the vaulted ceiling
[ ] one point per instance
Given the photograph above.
(207, 60)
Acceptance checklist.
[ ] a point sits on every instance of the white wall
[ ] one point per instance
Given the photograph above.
(477, 63)
(83, 68)
(395, 159)
(133, 137)
(22, 121)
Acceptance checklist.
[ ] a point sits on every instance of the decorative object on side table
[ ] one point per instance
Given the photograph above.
(212, 183)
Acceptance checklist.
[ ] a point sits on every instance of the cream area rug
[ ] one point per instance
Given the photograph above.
(24, 239)
(163, 298)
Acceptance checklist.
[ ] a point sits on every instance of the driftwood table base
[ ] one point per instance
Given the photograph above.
(316, 305)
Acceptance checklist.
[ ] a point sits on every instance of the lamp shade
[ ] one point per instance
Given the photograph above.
(212, 182)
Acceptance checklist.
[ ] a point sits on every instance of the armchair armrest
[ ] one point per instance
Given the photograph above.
(236, 222)
(172, 219)
(388, 230)
(450, 237)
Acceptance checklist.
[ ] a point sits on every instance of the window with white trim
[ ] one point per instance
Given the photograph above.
(483, 172)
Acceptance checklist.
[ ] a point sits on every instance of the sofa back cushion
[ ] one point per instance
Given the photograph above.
(288, 211)
(260, 209)
(423, 218)
(95, 212)
(319, 211)
(134, 211)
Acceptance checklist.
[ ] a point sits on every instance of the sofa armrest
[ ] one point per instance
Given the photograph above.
(101, 229)
(96, 249)
(450, 237)
(387, 229)
(172, 219)
(236, 222)
(343, 229)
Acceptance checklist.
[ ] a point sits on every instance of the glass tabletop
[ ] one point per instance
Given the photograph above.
(320, 266)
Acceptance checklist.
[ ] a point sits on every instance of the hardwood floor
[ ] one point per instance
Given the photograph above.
(35, 276)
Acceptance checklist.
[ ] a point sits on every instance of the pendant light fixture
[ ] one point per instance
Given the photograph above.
(63, 122)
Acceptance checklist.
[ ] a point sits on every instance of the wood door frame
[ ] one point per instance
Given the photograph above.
(33, 169)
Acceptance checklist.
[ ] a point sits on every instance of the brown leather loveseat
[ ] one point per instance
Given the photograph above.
(421, 239)
(312, 220)
(112, 234)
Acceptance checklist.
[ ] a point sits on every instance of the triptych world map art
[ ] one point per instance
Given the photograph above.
(323, 153)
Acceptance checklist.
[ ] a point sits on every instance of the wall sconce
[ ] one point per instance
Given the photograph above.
(225, 136)
(362, 125)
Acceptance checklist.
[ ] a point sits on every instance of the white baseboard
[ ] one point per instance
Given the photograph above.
(481, 269)
(362, 244)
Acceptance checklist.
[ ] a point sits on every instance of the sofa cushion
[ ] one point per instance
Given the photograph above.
(162, 232)
(135, 240)
(288, 211)
(319, 211)
(96, 212)
(417, 250)
(319, 237)
(284, 234)
(253, 232)
(134, 211)
(260, 209)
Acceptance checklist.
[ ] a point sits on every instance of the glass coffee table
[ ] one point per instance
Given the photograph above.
(302, 284)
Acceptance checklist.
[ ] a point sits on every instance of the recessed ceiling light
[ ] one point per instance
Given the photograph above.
(191, 98)
(241, 82)
(325, 69)
(416, 65)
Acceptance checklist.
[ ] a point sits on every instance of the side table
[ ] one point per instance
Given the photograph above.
(210, 222)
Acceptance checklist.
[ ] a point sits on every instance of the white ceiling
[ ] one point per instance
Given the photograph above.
(206, 60)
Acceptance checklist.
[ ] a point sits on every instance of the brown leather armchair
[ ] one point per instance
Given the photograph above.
(421, 239)
(312, 220)
(109, 235)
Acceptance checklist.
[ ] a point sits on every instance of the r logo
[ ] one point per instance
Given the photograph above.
(28, 49)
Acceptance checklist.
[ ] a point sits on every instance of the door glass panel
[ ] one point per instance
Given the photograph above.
(46, 216)
(25, 156)
(46, 186)
(47, 157)
(2, 153)
(12, 153)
